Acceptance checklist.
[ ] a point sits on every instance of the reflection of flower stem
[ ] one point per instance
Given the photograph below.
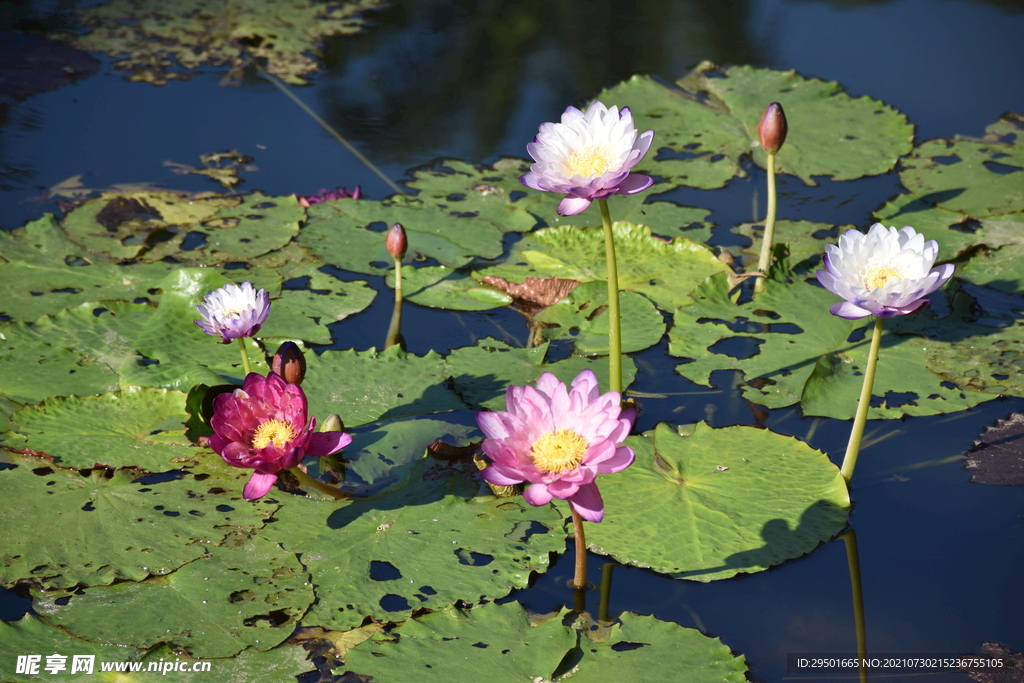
(579, 581)
(614, 331)
(306, 480)
(764, 262)
(245, 356)
(853, 561)
(857, 433)
(395, 328)
(606, 590)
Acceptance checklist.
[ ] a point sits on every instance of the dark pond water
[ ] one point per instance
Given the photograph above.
(940, 558)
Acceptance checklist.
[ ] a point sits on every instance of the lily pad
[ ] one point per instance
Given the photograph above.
(976, 177)
(713, 503)
(391, 448)
(805, 240)
(251, 595)
(425, 543)
(64, 528)
(305, 313)
(791, 349)
(699, 141)
(583, 317)
(441, 287)
(366, 386)
(996, 457)
(499, 643)
(663, 271)
(156, 41)
(483, 372)
(135, 427)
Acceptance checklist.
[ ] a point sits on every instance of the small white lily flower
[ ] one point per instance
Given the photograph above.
(234, 311)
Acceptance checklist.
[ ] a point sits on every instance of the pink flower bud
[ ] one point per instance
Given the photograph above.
(773, 128)
(397, 243)
(289, 363)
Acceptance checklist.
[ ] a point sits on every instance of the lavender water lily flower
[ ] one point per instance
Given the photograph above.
(883, 273)
(233, 312)
(558, 440)
(588, 156)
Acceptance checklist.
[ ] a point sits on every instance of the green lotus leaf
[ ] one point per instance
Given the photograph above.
(305, 313)
(792, 350)
(432, 541)
(664, 272)
(976, 177)
(664, 651)
(157, 42)
(441, 287)
(699, 141)
(135, 427)
(350, 233)
(804, 239)
(583, 317)
(233, 597)
(483, 372)
(366, 386)
(63, 528)
(1001, 268)
(499, 643)
(714, 503)
(948, 228)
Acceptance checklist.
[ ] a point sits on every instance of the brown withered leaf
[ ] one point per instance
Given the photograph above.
(533, 295)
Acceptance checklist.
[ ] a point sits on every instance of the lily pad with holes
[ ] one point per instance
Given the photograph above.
(712, 503)
(582, 316)
(305, 313)
(366, 386)
(482, 373)
(100, 526)
(233, 597)
(664, 272)
(135, 427)
(792, 350)
(976, 177)
(441, 287)
(805, 240)
(425, 543)
(699, 142)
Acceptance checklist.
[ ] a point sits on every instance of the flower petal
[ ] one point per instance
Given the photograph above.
(588, 503)
(570, 206)
(326, 443)
(258, 485)
(537, 494)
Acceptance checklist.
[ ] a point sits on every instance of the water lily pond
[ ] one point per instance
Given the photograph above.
(147, 159)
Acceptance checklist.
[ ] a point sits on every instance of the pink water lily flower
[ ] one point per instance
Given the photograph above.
(588, 156)
(558, 440)
(884, 273)
(263, 426)
(234, 311)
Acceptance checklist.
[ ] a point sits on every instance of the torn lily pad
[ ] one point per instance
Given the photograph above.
(156, 41)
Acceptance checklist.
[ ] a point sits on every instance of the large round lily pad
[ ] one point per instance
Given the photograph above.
(714, 503)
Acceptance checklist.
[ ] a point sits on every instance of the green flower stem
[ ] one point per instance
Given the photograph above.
(309, 481)
(579, 581)
(245, 356)
(395, 328)
(614, 330)
(764, 262)
(853, 562)
(863, 403)
(605, 592)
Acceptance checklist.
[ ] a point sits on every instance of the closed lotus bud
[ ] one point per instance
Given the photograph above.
(332, 423)
(397, 243)
(289, 363)
(773, 128)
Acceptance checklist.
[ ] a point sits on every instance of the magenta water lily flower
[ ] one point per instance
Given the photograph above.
(883, 273)
(263, 426)
(234, 311)
(558, 440)
(588, 156)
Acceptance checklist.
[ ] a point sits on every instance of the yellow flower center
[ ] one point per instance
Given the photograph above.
(880, 275)
(590, 162)
(277, 432)
(558, 452)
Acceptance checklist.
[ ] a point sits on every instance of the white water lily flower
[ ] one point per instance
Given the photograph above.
(883, 273)
(234, 311)
(588, 156)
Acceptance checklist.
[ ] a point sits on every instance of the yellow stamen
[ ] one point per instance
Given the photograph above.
(277, 432)
(590, 162)
(558, 452)
(879, 276)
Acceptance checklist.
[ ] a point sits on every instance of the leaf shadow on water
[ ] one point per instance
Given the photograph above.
(780, 543)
